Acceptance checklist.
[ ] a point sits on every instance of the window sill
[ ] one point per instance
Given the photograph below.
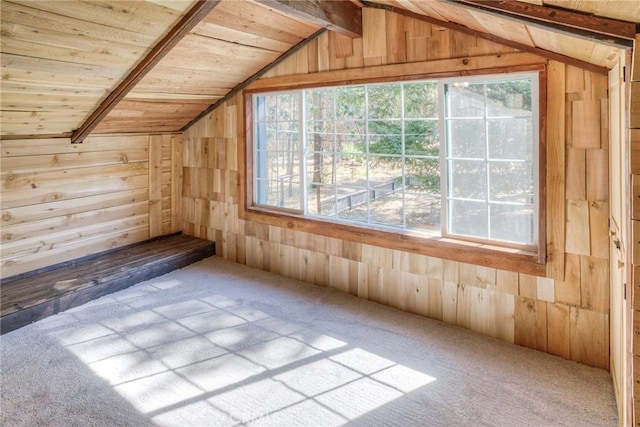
(440, 247)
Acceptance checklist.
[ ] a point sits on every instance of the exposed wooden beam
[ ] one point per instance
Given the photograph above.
(520, 46)
(340, 16)
(595, 28)
(177, 33)
(233, 92)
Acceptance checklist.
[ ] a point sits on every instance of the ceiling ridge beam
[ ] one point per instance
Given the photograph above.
(343, 17)
(496, 39)
(594, 28)
(173, 37)
(233, 92)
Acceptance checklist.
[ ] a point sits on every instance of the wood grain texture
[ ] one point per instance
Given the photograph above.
(556, 166)
(533, 308)
(342, 17)
(584, 26)
(62, 200)
(549, 43)
(578, 240)
(155, 186)
(175, 34)
(589, 337)
(70, 57)
(30, 298)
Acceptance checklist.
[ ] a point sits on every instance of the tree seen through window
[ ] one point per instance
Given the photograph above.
(405, 154)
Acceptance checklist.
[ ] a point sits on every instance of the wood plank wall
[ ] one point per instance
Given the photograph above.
(565, 313)
(634, 137)
(61, 201)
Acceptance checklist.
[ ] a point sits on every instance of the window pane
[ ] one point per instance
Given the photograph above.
(509, 98)
(351, 170)
(262, 191)
(468, 218)
(465, 100)
(386, 190)
(468, 179)
(420, 100)
(271, 140)
(421, 138)
(387, 206)
(422, 210)
(278, 165)
(510, 139)
(271, 106)
(319, 104)
(320, 142)
(320, 126)
(352, 204)
(321, 199)
(384, 102)
(422, 193)
(289, 193)
(350, 102)
(385, 137)
(385, 171)
(512, 223)
(320, 168)
(422, 175)
(467, 139)
(511, 182)
(350, 136)
(287, 107)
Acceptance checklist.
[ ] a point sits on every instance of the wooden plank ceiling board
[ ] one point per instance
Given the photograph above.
(233, 42)
(64, 61)
(597, 53)
(159, 51)
(625, 10)
(60, 59)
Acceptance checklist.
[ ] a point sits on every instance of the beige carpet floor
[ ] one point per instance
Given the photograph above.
(219, 344)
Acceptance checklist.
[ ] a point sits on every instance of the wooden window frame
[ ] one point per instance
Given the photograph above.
(436, 246)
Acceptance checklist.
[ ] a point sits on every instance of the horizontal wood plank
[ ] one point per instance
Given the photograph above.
(80, 189)
(62, 178)
(405, 70)
(52, 162)
(27, 214)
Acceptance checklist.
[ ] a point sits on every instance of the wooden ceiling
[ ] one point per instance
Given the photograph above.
(59, 62)
(625, 10)
(531, 33)
(229, 45)
(70, 65)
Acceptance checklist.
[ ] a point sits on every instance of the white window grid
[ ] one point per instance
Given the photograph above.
(444, 157)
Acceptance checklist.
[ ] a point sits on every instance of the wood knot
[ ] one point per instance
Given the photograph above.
(6, 216)
(465, 61)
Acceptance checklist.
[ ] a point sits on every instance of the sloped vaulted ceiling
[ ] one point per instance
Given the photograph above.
(231, 43)
(64, 61)
(582, 36)
(60, 59)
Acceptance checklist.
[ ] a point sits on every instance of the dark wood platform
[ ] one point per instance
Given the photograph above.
(36, 295)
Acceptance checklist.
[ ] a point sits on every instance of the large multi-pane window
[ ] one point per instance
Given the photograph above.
(455, 157)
